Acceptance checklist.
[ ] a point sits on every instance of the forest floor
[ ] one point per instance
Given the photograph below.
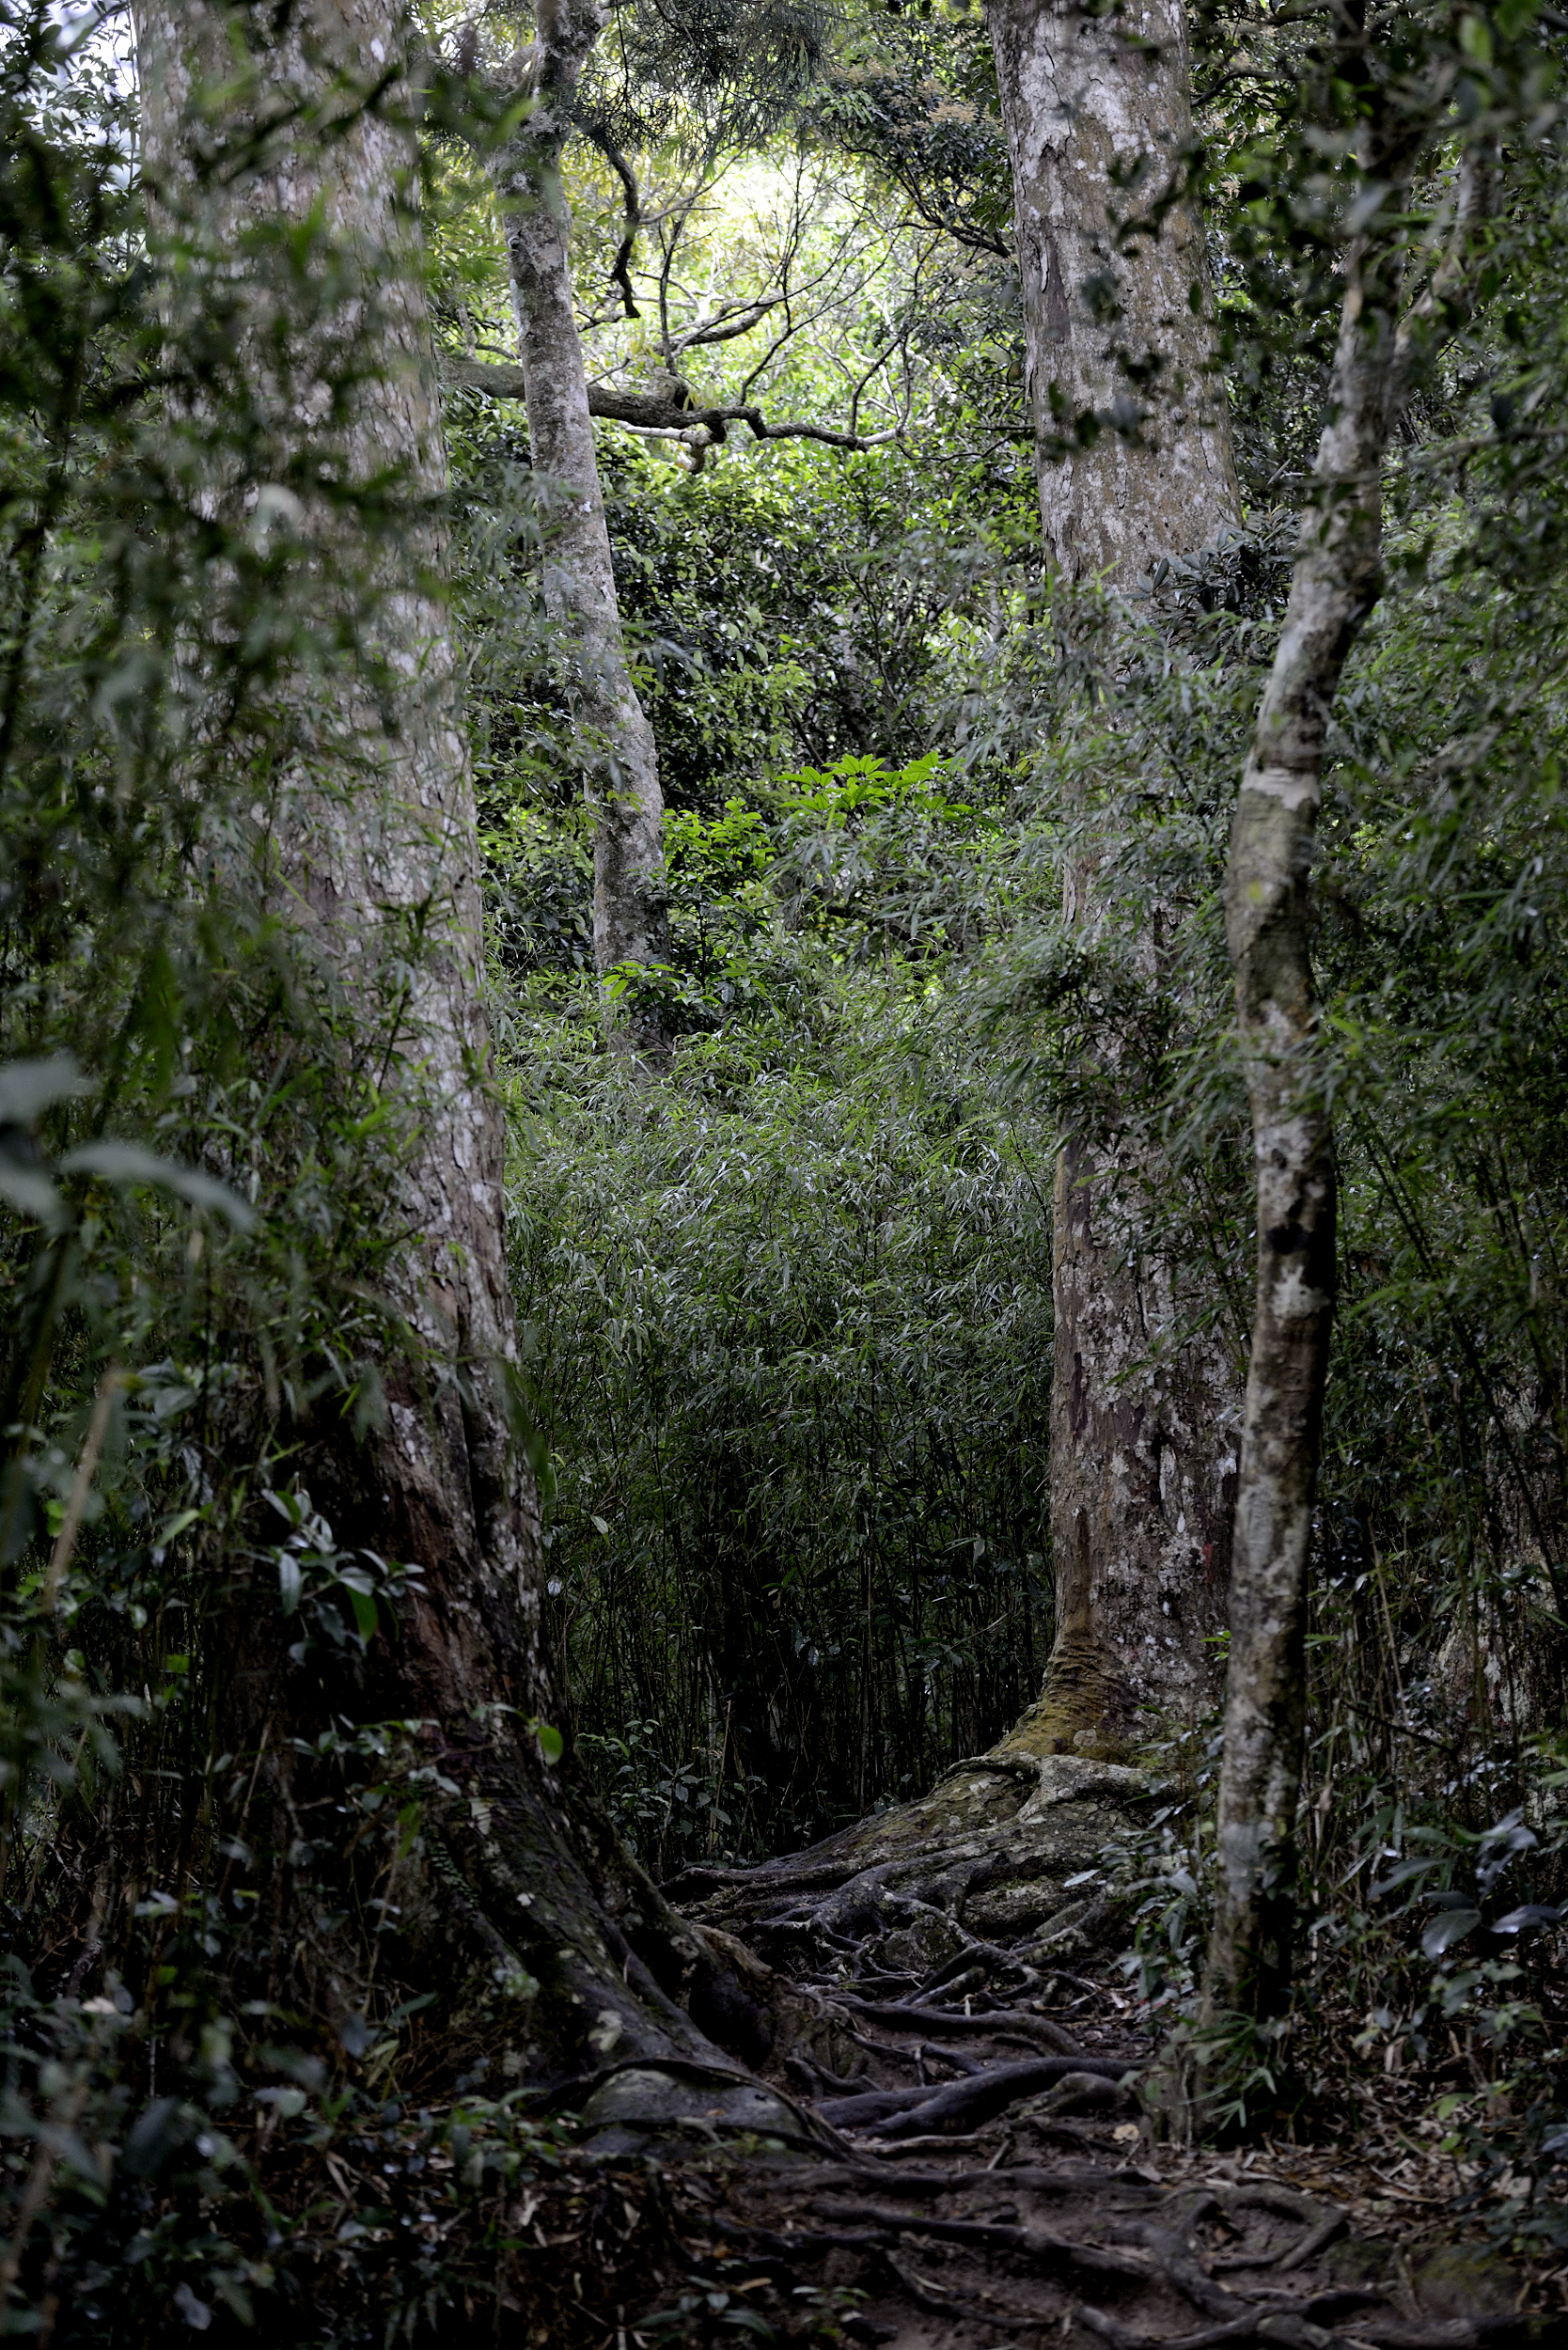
(1035, 2226)
(951, 2141)
(1056, 2216)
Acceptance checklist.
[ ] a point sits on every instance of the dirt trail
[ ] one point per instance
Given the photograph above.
(1036, 2227)
(937, 2137)
(1055, 2221)
(966, 2160)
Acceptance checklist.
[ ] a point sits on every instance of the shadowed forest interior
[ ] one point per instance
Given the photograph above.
(783, 1071)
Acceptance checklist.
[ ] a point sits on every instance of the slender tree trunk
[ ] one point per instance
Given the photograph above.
(1336, 582)
(516, 1904)
(1143, 1429)
(629, 920)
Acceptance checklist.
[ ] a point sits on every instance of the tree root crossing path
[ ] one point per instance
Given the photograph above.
(947, 2140)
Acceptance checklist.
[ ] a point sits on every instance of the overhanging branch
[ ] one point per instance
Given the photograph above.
(673, 412)
(631, 213)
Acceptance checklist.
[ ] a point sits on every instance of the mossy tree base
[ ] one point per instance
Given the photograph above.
(984, 1859)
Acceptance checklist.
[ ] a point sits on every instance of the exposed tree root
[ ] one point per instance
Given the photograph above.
(1097, 2251)
(907, 1966)
(929, 2155)
(986, 2092)
(941, 1896)
(974, 2243)
(999, 2024)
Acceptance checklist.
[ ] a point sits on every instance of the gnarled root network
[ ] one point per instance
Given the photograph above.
(918, 1977)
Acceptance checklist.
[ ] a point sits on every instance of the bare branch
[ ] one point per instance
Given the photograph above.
(899, 342)
(670, 245)
(725, 324)
(753, 419)
(620, 274)
(674, 412)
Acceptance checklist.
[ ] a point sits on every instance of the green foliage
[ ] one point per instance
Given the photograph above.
(797, 606)
(786, 1302)
(1438, 1639)
(789, 1321)
(198, 1141)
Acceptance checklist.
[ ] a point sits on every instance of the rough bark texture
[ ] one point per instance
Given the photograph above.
(629, 897)
(551, 1948)
(1336, 582)
(1112, 335)
(1142, 1427)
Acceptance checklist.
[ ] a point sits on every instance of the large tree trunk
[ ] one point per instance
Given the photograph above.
(515, 1903)
(628, 921)
(1109, 334)
(1143, 1429)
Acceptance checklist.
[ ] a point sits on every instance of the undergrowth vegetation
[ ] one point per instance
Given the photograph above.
(786, 1300)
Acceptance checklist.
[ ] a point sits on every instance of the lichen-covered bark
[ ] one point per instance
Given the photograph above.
(1143, 1427)
(519, 1907)
(1335, 584)
(1113, 335)
(1336, 581)
(629, 890)
(1143, 1462)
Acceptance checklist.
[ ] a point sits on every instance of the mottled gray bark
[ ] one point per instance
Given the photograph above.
(518, 1907)
(1142, 1425)
(1336, 582)
(629, 889)
(1113, 335)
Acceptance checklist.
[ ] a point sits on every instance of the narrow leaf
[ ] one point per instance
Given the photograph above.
(128, 1163)
(28, 1086)
(27, 1188)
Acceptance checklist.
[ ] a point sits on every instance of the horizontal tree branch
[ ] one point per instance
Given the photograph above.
(663, 411)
